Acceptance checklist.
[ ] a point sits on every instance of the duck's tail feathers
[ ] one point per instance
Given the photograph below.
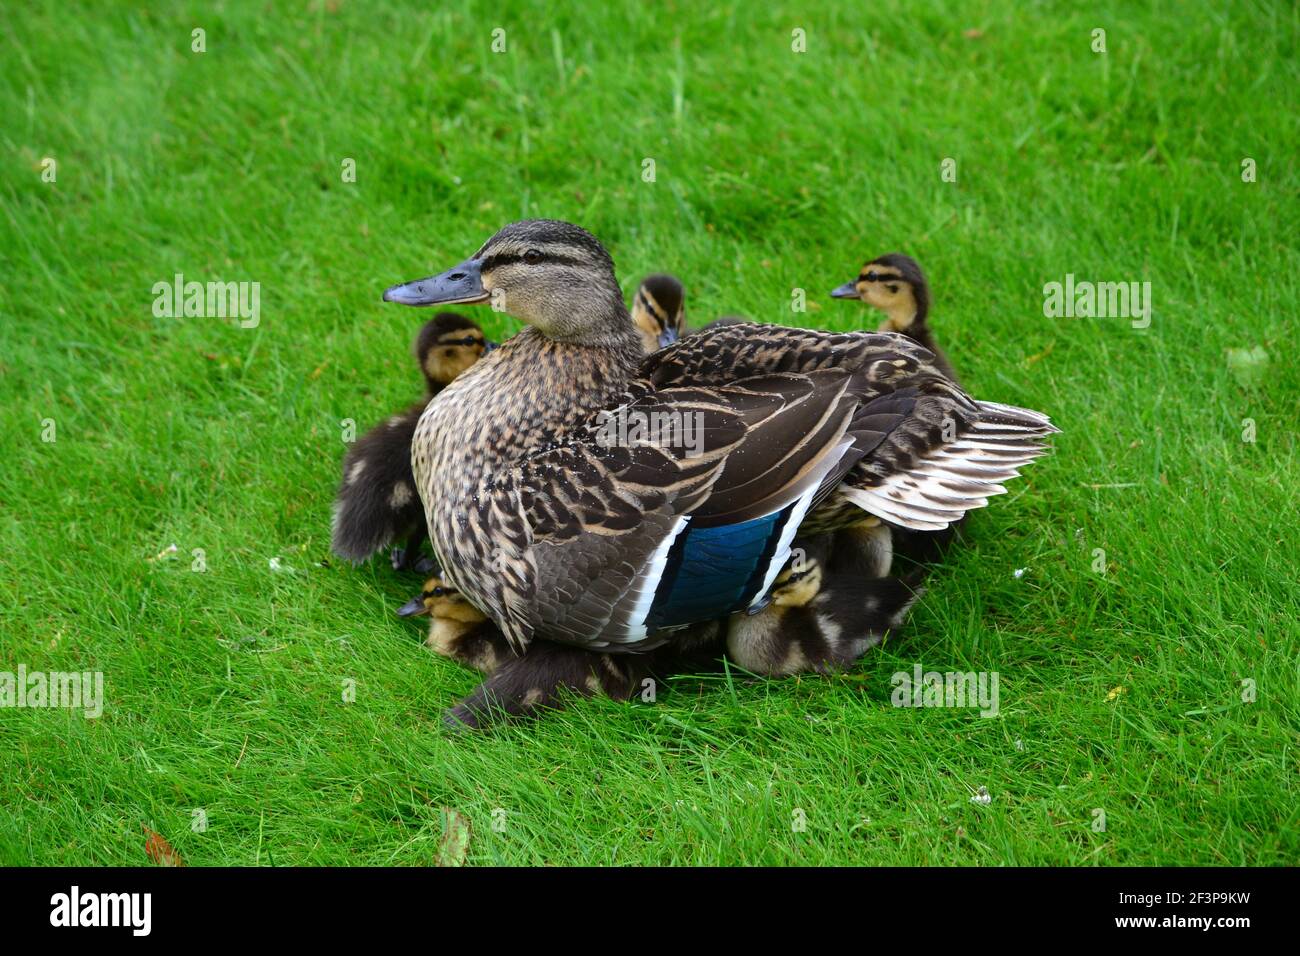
(941, 485)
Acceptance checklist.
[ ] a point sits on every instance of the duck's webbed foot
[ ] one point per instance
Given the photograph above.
(537, 681)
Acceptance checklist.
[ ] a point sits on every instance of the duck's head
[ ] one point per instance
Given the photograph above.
(895, 285)
(798, 583)
(553, 275)
(447, 345)
(442, 601)
(659, 311)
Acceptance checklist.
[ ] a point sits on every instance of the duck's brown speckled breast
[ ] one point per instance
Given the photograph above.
(518, 399)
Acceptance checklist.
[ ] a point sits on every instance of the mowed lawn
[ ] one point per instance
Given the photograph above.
(1136, 592)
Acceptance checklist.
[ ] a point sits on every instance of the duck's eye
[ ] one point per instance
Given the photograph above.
(532, 257)
(438, 592)
(873, 276)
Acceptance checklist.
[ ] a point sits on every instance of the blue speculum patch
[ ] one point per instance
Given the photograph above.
(712, 572)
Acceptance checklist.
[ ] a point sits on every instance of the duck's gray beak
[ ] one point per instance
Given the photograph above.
(461, 285)
(489, 345)
(847, 291)
(668, 337)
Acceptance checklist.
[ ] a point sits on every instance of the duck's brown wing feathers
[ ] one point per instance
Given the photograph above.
(947, 454)
(740, 451)
(771, 423)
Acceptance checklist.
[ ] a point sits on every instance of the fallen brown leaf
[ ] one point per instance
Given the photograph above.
(456, 832)
(160, 851)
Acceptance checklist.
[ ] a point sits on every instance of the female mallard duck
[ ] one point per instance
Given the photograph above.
(553, 519)
(895, 284)
(377, 503)
(829, 606)
(523, 685)
(659, 311)
(719, 322)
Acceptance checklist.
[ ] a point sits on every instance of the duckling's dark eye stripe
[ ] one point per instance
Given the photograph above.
(651, 306)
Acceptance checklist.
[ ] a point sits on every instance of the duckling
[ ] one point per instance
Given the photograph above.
(558, 535)
(659, 311)
(520, 686)
(824, 612)
(895, 284)
(547, 671)
(457, 629)
(377, 503)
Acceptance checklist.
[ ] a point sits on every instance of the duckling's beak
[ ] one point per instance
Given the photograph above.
(462, 284)
(847, 291)
(413, 608)
(489, 345)
(668, 337)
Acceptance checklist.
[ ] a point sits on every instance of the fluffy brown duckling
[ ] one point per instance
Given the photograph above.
(832, 603)
(377, 504)
(895, 284)
(659, 311)
(457, 629)
(524, 685)
(546, 672)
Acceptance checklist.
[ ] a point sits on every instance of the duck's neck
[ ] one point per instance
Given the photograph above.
(533, 389)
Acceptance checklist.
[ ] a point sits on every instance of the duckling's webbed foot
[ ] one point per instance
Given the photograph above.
(407, 557)
(539, 680)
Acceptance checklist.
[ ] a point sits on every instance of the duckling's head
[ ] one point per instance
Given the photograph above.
(895, 285)
(659, 311)
(446, 346)
(553, 275)
(443, 602)
(798, 583)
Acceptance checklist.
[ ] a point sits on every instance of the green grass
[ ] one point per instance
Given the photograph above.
(775, 170)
